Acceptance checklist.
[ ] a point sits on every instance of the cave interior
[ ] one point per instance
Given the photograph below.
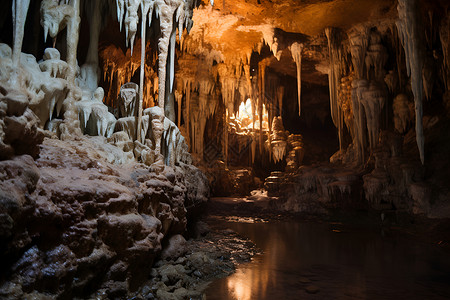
(120, 120)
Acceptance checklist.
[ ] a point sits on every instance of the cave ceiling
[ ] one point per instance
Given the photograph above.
(232, 29)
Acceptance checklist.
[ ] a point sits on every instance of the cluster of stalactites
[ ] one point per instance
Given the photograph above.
(173, 15)
(367, 95)
(119, 67)
(267, 37)
(195, 88)
(128, 17)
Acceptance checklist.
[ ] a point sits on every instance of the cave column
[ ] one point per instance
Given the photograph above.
(73, 27)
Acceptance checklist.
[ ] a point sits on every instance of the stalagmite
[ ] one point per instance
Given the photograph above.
(409, 32)
(93, 114)
(127, 100)
(278, 139)
(296, 51)
(19, 12)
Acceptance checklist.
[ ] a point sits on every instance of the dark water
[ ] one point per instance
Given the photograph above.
(341, 264)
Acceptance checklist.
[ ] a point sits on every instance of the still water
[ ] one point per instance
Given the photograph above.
(335, 263)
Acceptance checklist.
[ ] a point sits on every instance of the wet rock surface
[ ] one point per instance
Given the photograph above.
(73, 223)
(209, 257)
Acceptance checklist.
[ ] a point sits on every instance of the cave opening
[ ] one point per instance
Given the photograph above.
(294, 149)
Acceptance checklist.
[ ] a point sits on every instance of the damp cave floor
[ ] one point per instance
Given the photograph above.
(343, 255)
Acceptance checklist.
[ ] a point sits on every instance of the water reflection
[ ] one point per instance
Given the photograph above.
(247, 280)
(341, 264)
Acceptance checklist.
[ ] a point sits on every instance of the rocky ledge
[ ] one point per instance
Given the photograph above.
(73, 223)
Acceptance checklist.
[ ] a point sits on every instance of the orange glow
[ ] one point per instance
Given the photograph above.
(243, 119)
(246, 283)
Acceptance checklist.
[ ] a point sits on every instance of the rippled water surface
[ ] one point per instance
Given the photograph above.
(335, 263)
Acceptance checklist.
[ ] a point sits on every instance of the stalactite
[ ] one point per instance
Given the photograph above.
(359, 41)
(225, 136)
(334, 78)
(296, 51)
(188, 108)
(145, 7)
(172, 59)
(120, 8)
(170, 13)
(19, 13)
(409, 32)
(248, 79)
(179, 99)
(253, 146)
(131, 20)
(280, 95)
(166, 14)
(94, 15)
(262, 92)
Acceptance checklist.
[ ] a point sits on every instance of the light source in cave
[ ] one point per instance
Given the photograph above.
(244, 119)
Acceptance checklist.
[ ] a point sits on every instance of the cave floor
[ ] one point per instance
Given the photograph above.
(339, 256)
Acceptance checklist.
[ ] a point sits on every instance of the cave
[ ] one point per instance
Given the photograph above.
(201, 149)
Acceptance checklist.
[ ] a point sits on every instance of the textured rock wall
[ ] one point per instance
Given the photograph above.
(74, 223)
(18, 125)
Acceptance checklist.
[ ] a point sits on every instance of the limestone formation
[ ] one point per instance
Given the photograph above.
(120, 118)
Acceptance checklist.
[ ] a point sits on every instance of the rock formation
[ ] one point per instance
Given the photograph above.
(110, 109)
